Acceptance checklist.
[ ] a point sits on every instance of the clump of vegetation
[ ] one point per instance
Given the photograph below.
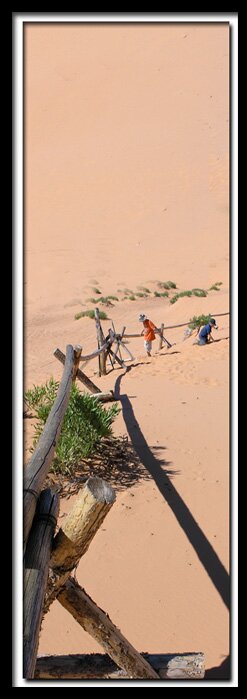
(161, 293)
(167, 285)
(106, 300)
(180, 295)
(215, 287)
(197, 321)
(131, 297)
(91, 300)
(85, 423)
(96, 290)
(199, 292)
(190, 292)
(128, 291)
(90, 314)
(141, 294)
(145, 289)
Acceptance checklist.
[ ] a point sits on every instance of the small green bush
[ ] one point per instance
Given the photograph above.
(192, 292)
(85, 423)
(196, 321)
(161, 293)
(95, 290)
(167, 285)
(90, 314)
(214, 288)
(199, 292)
(145, 289)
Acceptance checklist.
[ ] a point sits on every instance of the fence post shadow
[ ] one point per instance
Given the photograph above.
(204, 550)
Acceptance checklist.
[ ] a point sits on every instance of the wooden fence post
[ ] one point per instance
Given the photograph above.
(36, 565)
(79, 374)
(96, 622)
(101, 341)
(77, 355)
(161, 336)
(76, 533)
(40, 462)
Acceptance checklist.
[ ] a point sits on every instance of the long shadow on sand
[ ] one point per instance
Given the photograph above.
(197, 538)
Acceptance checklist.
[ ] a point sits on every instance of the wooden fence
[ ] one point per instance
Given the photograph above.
(50, 558)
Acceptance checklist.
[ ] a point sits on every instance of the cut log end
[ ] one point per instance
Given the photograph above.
(101, 491)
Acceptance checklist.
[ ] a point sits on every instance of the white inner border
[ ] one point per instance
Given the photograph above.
(19, 19)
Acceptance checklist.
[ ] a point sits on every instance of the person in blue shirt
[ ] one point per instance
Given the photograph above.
(205, 334)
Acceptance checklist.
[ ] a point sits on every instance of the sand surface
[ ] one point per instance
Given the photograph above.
(126, 184)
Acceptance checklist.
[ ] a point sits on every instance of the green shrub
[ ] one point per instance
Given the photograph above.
(167, 285)
(196, 321)
(132, 297)
(199, 292)
(161, 293)
(95, 290)
(85, 423)
(90, 314)
(214, 288)
(194, 292)
(91, 300)
(144, 288)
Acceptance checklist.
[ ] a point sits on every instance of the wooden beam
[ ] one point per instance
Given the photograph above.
(101, 341)
(36, 565)
(76, 533)
(175, 666)
(79, 374)
(105, 397)
(40, 462)
(96, 622)
(77, 356)
(161, 336)
(116, 359)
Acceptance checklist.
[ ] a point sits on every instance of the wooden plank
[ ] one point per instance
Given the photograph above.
(98, 624)
(40, 462)
(105, 397)
(76, 533)
(116, 359)
(36, 565)
(174, 666)
(79, 374)
(161, 336)
(77, 356)
(101, 341)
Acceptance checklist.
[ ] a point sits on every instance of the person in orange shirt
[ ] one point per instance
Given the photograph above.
(148, 332)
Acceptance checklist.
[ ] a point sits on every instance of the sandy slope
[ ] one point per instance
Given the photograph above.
(126, 183)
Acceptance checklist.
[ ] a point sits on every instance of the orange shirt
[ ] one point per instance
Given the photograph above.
(149, 330)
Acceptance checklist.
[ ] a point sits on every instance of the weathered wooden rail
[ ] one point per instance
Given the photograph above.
(96, 666)
(40, 462)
